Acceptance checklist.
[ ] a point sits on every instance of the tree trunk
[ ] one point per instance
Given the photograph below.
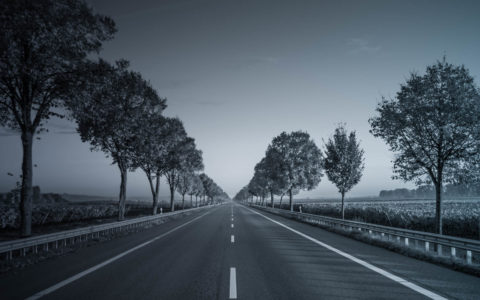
(196, 201)
(343, 205)
(271, 196)
(123, 191)
(154, 191)
(157, 191)
(291, 198)
(26, 190)
(172, 197)
(191, 200)
(183, 201)
(438, 207)
(281, 198)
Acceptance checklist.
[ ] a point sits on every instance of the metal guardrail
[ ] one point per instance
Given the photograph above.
(465, 249)
(63, 238)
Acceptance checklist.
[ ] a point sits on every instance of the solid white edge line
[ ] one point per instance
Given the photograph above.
(103, 264)
(387, 274)
(233, 284)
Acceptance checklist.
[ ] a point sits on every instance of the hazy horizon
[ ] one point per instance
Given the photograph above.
(239, 73)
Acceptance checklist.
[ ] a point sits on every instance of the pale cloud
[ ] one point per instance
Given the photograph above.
(359, 45)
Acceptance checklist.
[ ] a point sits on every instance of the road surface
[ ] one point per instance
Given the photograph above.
(234, 252)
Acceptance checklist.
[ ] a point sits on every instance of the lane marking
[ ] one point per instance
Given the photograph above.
(232, 219)
(232, 238)
(382, 272)
(233, 283)
(108, 261)
(232, 225)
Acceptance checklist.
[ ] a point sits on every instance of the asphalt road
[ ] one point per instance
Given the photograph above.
(231, 251)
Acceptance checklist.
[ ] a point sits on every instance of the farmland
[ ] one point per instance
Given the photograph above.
(460, 217)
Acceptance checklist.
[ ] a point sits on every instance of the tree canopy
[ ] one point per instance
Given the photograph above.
(300, 158)
(42, 45)
(432, 125)
(181, 155)
(343, 161)
(106, 113)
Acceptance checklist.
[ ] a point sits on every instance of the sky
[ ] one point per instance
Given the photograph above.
(239, 73)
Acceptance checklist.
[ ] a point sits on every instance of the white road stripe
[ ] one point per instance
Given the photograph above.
(232, 238)
(232, 219)
(232, 225)
(233, 283)
(103, 264)
(389, 275)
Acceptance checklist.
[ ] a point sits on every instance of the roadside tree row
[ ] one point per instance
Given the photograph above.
(432, 125)
(49, 69)
(293, 162)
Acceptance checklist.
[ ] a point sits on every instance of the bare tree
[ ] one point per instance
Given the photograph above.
(432, 126)
(41, 46)
(343, 161)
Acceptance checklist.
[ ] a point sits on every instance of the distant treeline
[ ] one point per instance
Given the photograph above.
(428, 192)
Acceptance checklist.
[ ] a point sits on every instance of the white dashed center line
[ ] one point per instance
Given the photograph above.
(232, 238)
(233, 283)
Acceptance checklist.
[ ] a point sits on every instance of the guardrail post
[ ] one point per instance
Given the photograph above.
(469, 257)
(398, 239)
(45, 247)
(35, 249)
(453, 251)
(23, 252)
(427, 246)
(406, 242)
(439, 249)
(9, 255)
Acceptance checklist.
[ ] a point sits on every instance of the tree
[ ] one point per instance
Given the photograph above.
(149, 147)
(343, 161)
(106, 113)
(185, 185)
(242, 195)
(277, 181)
(431, 125)
(41, 45)
(212, 190)
(199, 190)
(258, 184)
(301, 161)
(181, 155)
(194, 189)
